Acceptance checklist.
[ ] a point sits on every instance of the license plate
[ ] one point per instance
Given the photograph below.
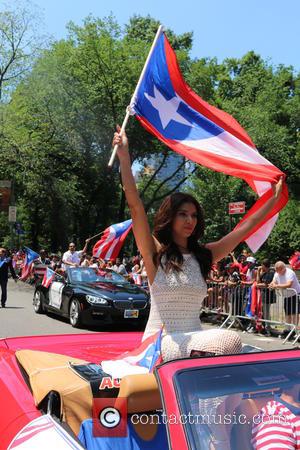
(131, 313)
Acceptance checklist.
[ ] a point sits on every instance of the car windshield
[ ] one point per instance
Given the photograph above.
(90, 275)
(235, 407)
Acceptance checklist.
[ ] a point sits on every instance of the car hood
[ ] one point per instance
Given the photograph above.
(110, 289)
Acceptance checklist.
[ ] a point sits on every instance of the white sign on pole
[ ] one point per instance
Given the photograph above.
(236, 208)
(12, 214)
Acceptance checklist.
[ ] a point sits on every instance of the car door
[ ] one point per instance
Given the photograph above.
(56, 292)
(195, 390)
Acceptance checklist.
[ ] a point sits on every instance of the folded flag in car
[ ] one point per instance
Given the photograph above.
(44, 432)
(168, 108)
(30, 257)
(48, 277)
(110, 244)
(141, 360)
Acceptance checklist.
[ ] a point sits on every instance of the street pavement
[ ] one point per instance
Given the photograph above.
(19, 319)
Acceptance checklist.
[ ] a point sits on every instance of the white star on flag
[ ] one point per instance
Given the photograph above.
(167, 109)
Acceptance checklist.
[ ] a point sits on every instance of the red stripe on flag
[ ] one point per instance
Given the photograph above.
(231, 166)
(120, 243)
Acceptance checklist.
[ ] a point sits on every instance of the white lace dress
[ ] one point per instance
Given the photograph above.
(176, 299)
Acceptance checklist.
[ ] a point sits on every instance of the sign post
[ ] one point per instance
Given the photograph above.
(235, 208)
(12, 214)
(12, 218)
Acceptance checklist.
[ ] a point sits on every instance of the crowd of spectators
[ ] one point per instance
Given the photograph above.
(236, 285)
(132, 268)
(246, 289)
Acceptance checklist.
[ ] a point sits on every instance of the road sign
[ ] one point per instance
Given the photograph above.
(12, 214)
(236, 208)
(18, 228)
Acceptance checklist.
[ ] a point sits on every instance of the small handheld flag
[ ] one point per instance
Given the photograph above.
(141, 360)
(30, 257)
(113, 237)
(48, 277)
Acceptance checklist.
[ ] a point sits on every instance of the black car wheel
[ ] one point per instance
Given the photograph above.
(38, 302)
(75, 313)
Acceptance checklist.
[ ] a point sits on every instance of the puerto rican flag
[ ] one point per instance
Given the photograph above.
(110, 244)
(44, 433)
(30, 257)
(141, 360)
(48, 277)
(168, 108)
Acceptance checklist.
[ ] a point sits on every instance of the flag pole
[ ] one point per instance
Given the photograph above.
(126, 118)
(98, 234)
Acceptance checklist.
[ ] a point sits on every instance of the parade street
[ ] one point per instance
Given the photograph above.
(19, 319)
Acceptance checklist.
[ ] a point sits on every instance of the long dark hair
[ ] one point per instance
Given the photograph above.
(163, 233)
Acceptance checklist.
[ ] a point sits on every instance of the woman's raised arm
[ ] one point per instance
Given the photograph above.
(221, 248)
(140, 225)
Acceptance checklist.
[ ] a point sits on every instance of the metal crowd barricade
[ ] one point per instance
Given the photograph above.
(217, 302)
(240, 304)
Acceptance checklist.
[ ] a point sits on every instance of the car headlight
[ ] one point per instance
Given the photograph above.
(93, 300)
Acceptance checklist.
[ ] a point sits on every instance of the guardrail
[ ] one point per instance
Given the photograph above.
(253, 308)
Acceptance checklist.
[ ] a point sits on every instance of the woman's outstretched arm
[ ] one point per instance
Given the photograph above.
(140, 225)
(221, 248)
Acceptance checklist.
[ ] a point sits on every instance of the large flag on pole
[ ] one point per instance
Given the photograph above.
(110, 244)
(168, 108)
(30, 257)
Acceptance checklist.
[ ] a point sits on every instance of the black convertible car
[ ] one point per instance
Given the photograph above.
(87, 296)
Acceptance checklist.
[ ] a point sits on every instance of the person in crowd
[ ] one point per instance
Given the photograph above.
(143, 272)
(278, 423)
(56, 263)
(109, 265)
(234, 290)
(136, 274)
(264, 277)
(87, 260)
(119, 267)
(247, 283)
(246, 253)
(215, 289)
(94, 262)
(43, 259)
(243, 264)
(251, 271)
(20, 256)
(5, 266)
(71, 258)
(177, 265)
(286, 279)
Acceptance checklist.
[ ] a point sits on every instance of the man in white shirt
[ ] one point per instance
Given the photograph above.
(285, 278)
(119, 267)
(71, 258)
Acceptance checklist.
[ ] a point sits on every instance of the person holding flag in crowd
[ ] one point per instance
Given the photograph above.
(30, 257)
(177, 264)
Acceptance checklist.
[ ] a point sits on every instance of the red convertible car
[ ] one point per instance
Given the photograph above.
(193, 403)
